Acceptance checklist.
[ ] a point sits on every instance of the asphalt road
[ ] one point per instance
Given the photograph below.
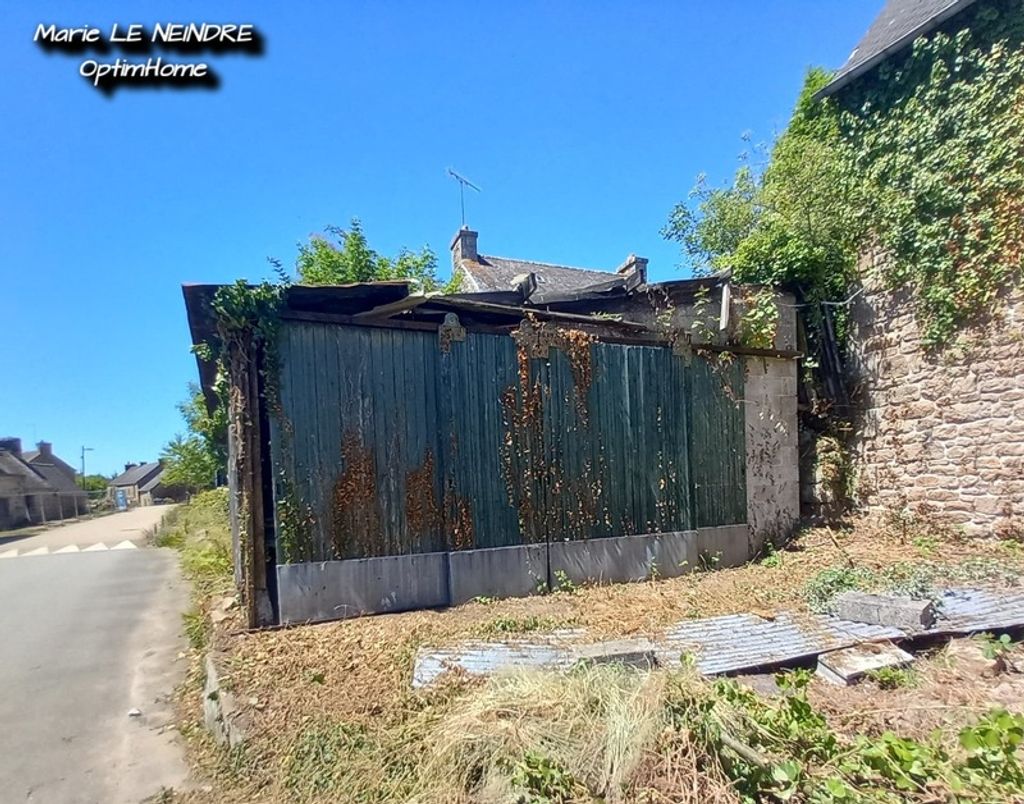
(84, 638)
(133, 525)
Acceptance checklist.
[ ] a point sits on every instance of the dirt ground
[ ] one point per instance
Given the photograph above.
(358, 672)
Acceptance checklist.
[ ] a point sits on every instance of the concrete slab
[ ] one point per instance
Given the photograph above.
(332, 590)
(895, 611)
(515, 571)
(849, 665)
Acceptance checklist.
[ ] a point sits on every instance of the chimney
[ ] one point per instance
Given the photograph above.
(45, 449)
(464, 247)
(128, 466)
(11, 445)
(634, 265)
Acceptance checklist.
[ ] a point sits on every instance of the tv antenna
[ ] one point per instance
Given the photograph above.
(463, 184)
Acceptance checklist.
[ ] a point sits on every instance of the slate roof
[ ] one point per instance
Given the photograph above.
(153, 482)
(137, 475)
(36, 458)
(56, 476)
(11, 464)
(896, 26)
(497, 273)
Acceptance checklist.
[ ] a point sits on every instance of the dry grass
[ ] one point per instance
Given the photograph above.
(344, 687)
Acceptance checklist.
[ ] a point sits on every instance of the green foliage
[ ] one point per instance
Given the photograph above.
(342, 256)
(316, 763)
(195, 460)
(760, 321)
(992, 648)
(991, 745)
(823, 588)
(919, 580)
(791, 222)
(891, 678)
(938, 139)
(542, 780)
(922, 159)
(783, 749)
(518, 625)
(94, 484)
(563, 583)
(200, 531)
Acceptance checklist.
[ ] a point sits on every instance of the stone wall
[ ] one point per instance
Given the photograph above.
(941, 433)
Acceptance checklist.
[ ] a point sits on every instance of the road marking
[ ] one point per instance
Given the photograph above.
(127, 544)
(39, 551)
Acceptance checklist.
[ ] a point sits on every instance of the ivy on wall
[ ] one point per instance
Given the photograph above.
(938, 139)
(923, 159)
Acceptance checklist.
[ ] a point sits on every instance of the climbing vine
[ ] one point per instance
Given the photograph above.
(921, 160)
(938, 137)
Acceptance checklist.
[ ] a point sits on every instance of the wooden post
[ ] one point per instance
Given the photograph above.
(245, 449)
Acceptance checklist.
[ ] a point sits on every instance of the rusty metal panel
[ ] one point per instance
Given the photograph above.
(356, 443)
(392, 442)
(718, 446)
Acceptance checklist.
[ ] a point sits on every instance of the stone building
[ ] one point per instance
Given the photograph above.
(137, 482)
(939, 432)
(36, 487)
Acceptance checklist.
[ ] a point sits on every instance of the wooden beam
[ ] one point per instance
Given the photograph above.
(387, 310)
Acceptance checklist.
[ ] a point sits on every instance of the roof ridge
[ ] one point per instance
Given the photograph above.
(548, 264)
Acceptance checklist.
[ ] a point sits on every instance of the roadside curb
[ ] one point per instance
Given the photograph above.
(221, 714)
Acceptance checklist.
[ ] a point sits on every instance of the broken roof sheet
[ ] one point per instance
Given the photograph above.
(729, 644)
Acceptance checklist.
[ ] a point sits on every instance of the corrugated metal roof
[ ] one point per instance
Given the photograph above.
(734, 642)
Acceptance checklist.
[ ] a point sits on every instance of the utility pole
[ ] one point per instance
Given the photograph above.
(84, 450)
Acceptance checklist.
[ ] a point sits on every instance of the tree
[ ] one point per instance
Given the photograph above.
(94, 484)
(197, 459)
(342, 256)
(793, 222)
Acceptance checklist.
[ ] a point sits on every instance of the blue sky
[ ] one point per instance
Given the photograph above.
(583, 122)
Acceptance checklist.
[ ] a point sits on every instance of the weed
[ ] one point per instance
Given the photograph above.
(563, 583)
(891, 678)
(518, 625)
(772, 557)
(484, 600)
(823, 588)
(709, 561)
(926, 545)
(316, 764)
(543, 780)
(196, 628)
(995, 649)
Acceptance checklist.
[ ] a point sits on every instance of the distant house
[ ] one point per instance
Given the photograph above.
(58, 474)
(133, 479)
(36, 487)
(143, 484)
(537, 281)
